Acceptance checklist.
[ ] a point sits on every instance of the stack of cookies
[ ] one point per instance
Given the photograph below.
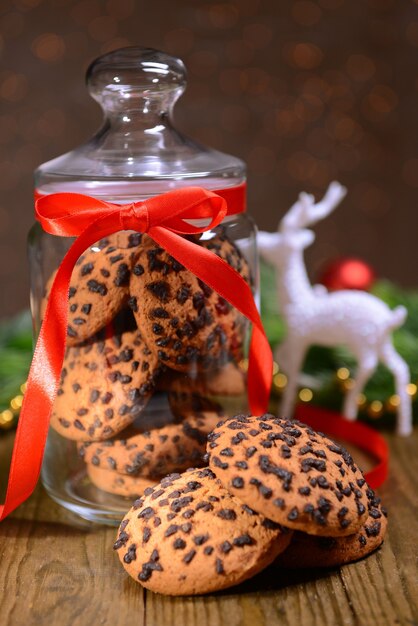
(275, 491)
(145, 333)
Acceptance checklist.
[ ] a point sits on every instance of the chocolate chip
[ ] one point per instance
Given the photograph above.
(204, 506)
(146, 513)
(322, 482)
(225, 547)
(160, 289)
(285, 452)
(192, 485)
(265, 491)
(243, 540)
(94, 395)
(227, 514)
(227, 452)
(293, 514)
(180, 503)
(308, 464)
(324, 505)
(122, 275)
(198, 300)
(131, 554)
(189, 556)
(134, 240)
(186, 528)
(171, 530)
(182, 294)
(95, 287)
(319, 518)
(160, 313)
(111, 462)
(218, 463)
(86, 269)
(138, 270)
(116, 258)
(200, 539)
(122, 539)
(238, 437)
(279, 502)
(342, 512)
(360, 508)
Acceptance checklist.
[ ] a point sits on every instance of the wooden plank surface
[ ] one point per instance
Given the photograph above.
(56, 570)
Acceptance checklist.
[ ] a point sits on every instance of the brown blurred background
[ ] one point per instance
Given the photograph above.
(304, 91)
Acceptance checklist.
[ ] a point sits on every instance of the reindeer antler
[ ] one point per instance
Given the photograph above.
(305, 212)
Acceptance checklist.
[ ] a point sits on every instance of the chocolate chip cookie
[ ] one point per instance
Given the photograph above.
(188, 535)
(118, 484)
(105, 384)
(213, 393)
(99, 285)
(188, 325)
(152, 453)
(290, 473)
(310, 551)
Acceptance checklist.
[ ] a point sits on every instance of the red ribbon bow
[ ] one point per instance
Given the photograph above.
(164, 218)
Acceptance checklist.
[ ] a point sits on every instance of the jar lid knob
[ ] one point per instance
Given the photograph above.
(119, 78)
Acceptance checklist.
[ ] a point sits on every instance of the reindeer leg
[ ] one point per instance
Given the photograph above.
(281, 356)
(400, 371)
(366, 366)
(292, 368)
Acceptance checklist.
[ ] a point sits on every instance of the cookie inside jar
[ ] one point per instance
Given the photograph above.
(162, 365)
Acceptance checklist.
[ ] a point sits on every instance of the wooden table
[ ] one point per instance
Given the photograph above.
(54, 572)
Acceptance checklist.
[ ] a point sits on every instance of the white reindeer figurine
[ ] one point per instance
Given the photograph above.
(356, 319)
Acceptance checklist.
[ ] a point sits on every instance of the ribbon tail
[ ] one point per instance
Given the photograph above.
(44, 374)
(221, 277)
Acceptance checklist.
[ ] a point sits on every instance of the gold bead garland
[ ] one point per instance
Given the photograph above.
(9, 416)
(373, 408)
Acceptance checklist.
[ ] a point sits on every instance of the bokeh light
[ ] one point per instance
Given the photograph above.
(304, 91)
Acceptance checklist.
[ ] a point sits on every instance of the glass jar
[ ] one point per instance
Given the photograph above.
(154, 357)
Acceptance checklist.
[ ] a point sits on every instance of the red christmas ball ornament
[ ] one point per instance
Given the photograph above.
(348, 273)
